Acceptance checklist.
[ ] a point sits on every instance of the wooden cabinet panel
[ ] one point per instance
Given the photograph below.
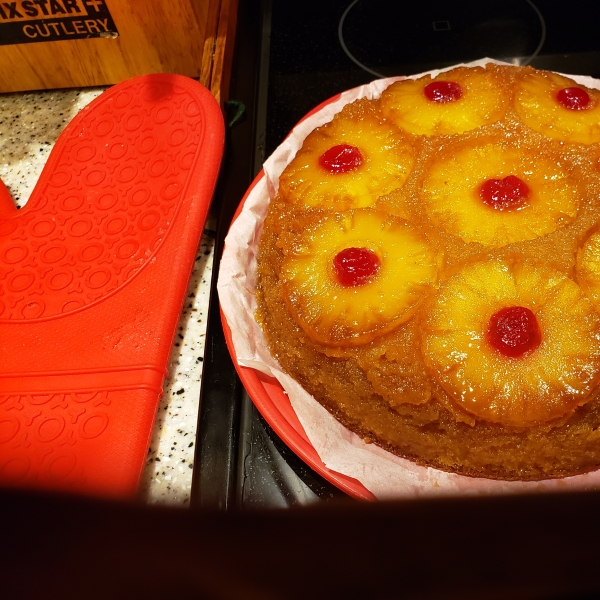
(154, 36)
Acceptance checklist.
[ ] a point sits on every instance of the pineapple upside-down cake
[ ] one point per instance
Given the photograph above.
(430, 271)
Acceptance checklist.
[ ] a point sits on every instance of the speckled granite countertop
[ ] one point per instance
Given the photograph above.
(30, 123)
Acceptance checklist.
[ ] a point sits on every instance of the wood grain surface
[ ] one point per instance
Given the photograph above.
(155, 36)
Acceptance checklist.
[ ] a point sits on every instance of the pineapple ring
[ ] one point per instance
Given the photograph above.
(334, 315)
(547, 383)
(452, 194)
(537, 106)
(588, 268)
(387, 161)
(482, 102)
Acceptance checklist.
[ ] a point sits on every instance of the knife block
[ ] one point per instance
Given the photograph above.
(80, 43)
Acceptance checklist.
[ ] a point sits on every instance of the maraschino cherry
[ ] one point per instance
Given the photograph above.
(510, 193)
(443, 91)
(573, 98)
(355, 266)
(341, 159)
(514, 331)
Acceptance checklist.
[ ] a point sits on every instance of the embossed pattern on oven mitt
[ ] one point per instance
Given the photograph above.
(93, 275)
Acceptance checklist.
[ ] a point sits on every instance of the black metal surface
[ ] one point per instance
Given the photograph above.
(214, 477)
(287, 60)
(269, 473)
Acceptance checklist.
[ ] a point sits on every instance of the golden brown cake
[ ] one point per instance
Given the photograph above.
(430, 271)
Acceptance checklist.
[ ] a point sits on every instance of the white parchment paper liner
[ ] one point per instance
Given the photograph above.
(385, 475)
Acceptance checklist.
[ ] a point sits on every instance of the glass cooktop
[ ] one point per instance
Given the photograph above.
(318, 49)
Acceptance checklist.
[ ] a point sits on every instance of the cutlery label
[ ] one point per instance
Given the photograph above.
(27, 21)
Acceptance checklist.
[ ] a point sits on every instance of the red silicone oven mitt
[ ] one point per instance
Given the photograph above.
(93, 274)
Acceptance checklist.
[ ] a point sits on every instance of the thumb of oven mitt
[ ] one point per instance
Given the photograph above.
(93, 275)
